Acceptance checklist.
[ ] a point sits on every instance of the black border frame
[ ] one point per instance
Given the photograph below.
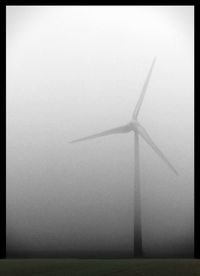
(3, 134)
(3, 5)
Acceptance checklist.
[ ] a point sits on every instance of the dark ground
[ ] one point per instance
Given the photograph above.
(97, 267)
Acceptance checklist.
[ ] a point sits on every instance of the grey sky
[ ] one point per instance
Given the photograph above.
(71, 72)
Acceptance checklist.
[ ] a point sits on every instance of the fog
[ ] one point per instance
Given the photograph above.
(74, 71)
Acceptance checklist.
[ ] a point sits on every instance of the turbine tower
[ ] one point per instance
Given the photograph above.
(138, 130)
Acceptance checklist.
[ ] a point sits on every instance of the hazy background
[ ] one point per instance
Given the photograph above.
(71, 72)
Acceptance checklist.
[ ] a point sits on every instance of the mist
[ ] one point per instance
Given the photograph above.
(75, 71)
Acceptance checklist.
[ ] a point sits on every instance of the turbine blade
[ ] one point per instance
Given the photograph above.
(149, 141)
(141, 98)
(116, 130)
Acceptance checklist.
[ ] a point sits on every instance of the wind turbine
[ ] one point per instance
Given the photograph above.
(138, 130)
